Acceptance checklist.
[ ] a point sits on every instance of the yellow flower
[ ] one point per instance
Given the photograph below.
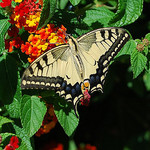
(33, 19)
(18, 1)
(44, 47)
(30, 37)
(31, 23)
(16, 17)
(53, 40)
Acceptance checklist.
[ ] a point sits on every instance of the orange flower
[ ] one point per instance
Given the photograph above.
(14, 42)
(49, 121)
(43, 40)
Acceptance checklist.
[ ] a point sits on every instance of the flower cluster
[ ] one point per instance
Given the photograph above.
(5, 3)
(43, 40)
(27, 15)
(49, 121)
(13, 144)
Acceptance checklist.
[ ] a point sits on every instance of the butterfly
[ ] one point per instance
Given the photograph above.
(77, 67)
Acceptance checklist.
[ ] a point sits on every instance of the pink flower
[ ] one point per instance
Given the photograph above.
(86, 99)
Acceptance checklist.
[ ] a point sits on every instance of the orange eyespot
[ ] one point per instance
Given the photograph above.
(85, 86)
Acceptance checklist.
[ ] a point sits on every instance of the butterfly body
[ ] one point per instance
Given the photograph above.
(75, 67)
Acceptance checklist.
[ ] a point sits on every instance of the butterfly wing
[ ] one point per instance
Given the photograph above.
(55, 70)
(97, 48)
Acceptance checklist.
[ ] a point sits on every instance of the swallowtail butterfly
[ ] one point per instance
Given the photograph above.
(80, 64)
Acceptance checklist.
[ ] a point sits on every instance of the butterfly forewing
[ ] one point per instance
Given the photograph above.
(55, 70)
(42, 73)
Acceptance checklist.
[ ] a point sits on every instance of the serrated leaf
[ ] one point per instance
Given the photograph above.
(138, 63)
(4, 120)
(14, 108)
(74, 2)
(98, 17)
(32, 114)
(128, 11)
(8, 78)
(49, 7)
(4, 25)
(127, 48)
(66, 116)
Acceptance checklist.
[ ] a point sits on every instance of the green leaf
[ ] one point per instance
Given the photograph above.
(63, 4)
(72, 145)
(128, 11)
(146, 79)
(138, 62)
(14, 108)
(32, 114)
(147, 36)
(4, 25)
(49, 7)
(98, 17)
(127, 48)
(4, 120)
(8, 78)
(66, 116)
(70, 22)
(74, 2)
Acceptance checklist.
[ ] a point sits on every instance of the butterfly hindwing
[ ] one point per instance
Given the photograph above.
(100, 46)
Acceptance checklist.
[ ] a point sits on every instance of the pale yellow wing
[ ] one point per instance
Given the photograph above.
(55, 70)
(97, 48)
